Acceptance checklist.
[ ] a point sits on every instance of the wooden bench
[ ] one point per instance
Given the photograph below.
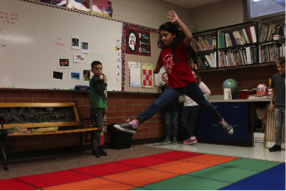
(64, 116)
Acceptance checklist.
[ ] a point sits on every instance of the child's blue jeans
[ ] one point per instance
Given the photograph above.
(192, 90)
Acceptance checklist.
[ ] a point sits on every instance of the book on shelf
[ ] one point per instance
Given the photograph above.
(267, 32)
(205, 62)
(200, 44)
(237, 37)
(238, 57)
(270, 52)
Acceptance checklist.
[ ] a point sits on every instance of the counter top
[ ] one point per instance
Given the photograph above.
(240, 100)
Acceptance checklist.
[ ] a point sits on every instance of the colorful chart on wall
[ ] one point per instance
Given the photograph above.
(147, 75)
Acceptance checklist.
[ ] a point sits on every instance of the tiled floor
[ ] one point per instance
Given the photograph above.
(235, 151)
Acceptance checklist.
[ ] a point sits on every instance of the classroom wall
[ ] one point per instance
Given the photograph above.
(219, 14)
(148, 13)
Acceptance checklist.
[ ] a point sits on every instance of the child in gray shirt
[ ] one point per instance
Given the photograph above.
(278, 92)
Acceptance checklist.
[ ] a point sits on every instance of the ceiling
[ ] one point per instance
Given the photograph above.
(191, 4)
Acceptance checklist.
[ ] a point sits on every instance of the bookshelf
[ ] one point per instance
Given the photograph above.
(205, 44)
(248, 44)
(270, 48)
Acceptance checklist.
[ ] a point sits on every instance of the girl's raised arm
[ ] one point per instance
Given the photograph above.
(175, 19)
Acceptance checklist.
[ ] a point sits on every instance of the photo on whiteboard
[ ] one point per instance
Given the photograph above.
(79, 58)
(79, 4)
(75, 42)
(118, 67)
(102, 7)
(64, 63)
(56, 75)
(117, 46)
(74, 76)
(117, 80)
(84, 46)
(118, 59)
(62, 3)
(86, 75)
(117, 74)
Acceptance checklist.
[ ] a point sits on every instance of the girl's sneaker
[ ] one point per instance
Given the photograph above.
(227, 128)
(190, 141)
(125, 127)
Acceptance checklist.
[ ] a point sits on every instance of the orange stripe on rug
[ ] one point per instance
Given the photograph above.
(210, 159)
(179, 167)
(140, 177)
(92, 184)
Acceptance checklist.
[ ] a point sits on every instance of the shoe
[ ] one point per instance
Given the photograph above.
(125, 128)
(166, 141)
(275, 148)
(190, 141)
(227, 128)
(102, 152)
(174, 142)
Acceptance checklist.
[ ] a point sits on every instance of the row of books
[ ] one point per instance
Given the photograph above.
(270, 53)
(205, 62)
(238, 57)
(237, 37)
(203, 44)
(266, 32)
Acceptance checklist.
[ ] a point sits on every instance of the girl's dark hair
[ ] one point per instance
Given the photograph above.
(174, 29)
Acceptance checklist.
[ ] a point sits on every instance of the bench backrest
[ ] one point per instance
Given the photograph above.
(34, 115)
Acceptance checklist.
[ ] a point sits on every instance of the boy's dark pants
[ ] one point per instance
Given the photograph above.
(96, 115)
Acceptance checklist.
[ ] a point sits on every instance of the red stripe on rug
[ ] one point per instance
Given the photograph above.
(12, 184)
(54, 178)
(144, 161)
(104, 169)
(175, 155)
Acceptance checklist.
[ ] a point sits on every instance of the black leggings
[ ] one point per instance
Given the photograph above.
(189, 116)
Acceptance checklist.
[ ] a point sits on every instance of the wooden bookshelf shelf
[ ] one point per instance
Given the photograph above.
(237, 47)
(207, 52)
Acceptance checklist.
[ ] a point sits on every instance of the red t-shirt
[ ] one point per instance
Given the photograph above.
(179, 72)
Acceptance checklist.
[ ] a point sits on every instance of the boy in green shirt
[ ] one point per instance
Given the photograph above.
(98, 103)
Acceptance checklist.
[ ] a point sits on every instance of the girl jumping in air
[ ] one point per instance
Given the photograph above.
(175, 55)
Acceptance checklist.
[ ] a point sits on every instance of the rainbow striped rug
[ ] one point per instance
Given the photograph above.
(174, 170)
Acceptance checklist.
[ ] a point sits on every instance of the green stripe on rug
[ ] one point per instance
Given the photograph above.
(221, 173)
(187, 183)
(251, 164)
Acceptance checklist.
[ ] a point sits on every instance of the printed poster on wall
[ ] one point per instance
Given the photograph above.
(79, 4)
(147, 75)
(138, 42)
(55, 2)
(134, 74)
(102, 7)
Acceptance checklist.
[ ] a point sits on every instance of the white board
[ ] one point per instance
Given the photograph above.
(37, 36)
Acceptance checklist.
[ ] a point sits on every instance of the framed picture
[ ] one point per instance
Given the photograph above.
(56, 75)
(74, 76)
(64, 63)
(86, 75)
